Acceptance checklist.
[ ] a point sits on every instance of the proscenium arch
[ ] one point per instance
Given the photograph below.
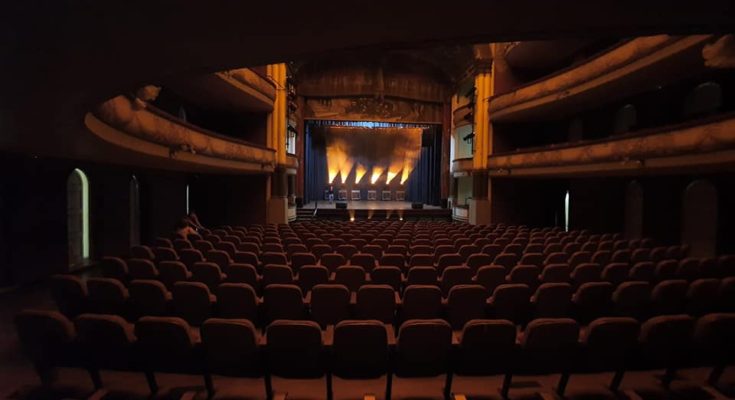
(77, 191)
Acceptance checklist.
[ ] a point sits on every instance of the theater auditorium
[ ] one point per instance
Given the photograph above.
(367, 200)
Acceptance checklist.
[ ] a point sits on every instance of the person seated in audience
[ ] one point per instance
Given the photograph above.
(194, 221)
(184, 228)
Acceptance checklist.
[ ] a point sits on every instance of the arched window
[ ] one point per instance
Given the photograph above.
(566, 211)
(187, 199)
(703, 100)
(134, 211)
(626, 119)
(699, 220)
(633, 223)
(77, 197)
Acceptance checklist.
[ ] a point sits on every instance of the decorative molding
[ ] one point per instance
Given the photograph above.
(552, 92)
(692, 143)
(372, 109)
(121, 116)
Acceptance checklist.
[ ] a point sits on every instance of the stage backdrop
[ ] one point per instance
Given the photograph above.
(376, 156)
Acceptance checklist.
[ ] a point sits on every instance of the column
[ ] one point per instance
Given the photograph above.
(480, 203)
(277, 212)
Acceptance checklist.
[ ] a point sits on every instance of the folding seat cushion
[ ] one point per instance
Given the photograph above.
(666, 342)
(391, 276)
(586, 272)
(107, 296)
(609, 344)
(393, 260)
(277, 274)
(423, 348)
(164, 254)
(373, 249)
(643, 271)
(422, 276)
(143, 252)
(221, 258)
(208, 273)
(114, 267)
(485, 346)
(593, 300)
(189, 257)
(193, 302)
(511, 302)
(713, 335)
(283, 302)
(351, 276)
(329, 303)
(555, 273)
(70, 294)
(294, 350)
(453, 276)
(490, 277)
(702, 296)
(242, 257)
(106, 342)
(525, 274)
(346, 250)
(237, 300)
(230, 348)
(203, 245)
(376, 302)
(615, 273)
(552, 300)
(669, 297)
(366, 261)
(139, 268)
(421, 302)
(360, 350)
(556, 258)
(506, 260)
(248, 247)
(167, 344)
(149, 297)
(46, 339)
(465, 303)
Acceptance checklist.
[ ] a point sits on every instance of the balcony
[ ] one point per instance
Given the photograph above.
(701, 144)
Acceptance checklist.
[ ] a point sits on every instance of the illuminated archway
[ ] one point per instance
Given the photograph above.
(77, 191)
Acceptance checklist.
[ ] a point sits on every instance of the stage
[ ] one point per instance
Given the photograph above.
(372, 209)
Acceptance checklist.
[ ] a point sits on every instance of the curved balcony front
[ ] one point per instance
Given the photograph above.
(632, 67)
(701, 144)
(137, 126)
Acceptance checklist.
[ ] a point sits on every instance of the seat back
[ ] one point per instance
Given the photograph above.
(192, 301)
(669, 297)
(376, 302)
(423, 348)
(421, 302)
(46, 338)
(702, 296)
(555, 273)
(167, 344)
(106, 342)
(330, 303)
(485, 346)
(511, 302)
(667, 339)
(149, 297)
(165, 254)
(593, 300)
(391, 276)
(549, 345)
(107, 296)
(350, 276)
(114, 267)
(453, 276)
(465, 303)
(171, 272)
(283, 302)
(294, 349)
(366, 261)
(633, 299)
(237, 300)
(360, 350)
(231, 347)
(552, 300)
(421, 276)
(190, 257)
(207, 273)
(610, 343)
(243, 273)
(69, 294)
(140, 268)
(277, 274)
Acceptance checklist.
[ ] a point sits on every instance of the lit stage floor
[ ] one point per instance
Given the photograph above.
(369, 205)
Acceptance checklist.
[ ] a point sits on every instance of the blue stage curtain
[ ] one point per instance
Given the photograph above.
(423, 185)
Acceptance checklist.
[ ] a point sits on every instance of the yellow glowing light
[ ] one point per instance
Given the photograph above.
(352, 219)
(377, 172)
(360, 171)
